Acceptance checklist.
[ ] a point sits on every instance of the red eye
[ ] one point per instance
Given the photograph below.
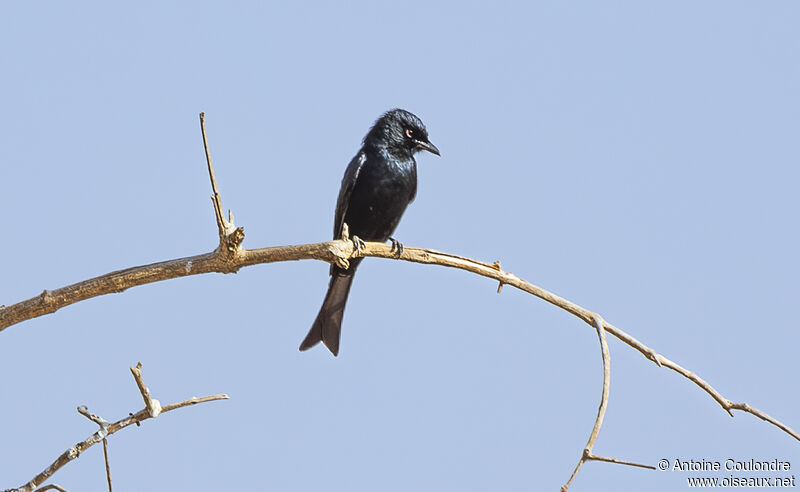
(409, 133)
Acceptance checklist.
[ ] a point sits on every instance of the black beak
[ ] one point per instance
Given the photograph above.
(428, 146)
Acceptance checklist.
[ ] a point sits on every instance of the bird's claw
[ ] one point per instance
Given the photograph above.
(397, 247)
(358, 245)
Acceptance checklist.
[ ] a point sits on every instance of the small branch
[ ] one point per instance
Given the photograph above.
(52, 486)
(106, 429)
(153, 406)
(230, 236)
(191, 401)
(103, 423)
(215, 198)
(83, 410)
(601, 410)
(594, 457)
(108, 468)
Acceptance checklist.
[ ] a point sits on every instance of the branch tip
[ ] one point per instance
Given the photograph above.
(593, 457)
(51, 486)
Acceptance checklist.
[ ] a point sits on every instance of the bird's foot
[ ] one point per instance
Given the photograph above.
(358, 244)
(397, 247)
(342, 263)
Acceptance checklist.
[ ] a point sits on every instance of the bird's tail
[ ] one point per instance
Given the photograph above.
(328, 325)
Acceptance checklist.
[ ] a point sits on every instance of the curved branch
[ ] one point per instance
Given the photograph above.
(601, 410)
(226, 261)
(587, 454)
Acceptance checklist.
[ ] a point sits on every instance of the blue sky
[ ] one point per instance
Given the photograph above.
(639, 159)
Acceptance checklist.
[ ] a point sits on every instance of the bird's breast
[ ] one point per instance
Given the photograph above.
(391, 180)
(381, 194)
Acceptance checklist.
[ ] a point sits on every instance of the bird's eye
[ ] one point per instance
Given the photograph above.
(409, 133)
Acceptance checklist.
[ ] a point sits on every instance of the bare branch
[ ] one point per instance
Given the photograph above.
(601, 410)
(108, 468)
(215, 197)
(153, 406)
(230, 236)
(336, 251)
(594, 457)
(106, 429)
(103, 423)
(83, 410)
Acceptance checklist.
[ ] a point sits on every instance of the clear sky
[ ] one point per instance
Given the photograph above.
(640, 159)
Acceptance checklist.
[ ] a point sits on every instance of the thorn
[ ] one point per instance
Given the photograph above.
(653, 356)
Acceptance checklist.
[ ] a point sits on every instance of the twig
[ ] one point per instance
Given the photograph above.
(594, 457)
(108, 468)
(601, 410)
(106, 429)
(153, 406)
(216, 197)
(230, 236)
(51, 486)
(83, 410)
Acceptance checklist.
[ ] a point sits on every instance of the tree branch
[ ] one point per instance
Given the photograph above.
(106, 429)
(601, 410)
(108, 468)
(333, 251)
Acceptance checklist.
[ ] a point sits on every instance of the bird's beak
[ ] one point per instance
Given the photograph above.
(428, 146)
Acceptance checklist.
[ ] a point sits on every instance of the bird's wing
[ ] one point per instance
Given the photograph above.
(348, 183)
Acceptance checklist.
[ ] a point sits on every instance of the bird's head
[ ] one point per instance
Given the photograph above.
(400, 132)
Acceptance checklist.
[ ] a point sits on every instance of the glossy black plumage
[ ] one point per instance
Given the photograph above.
(378, 185)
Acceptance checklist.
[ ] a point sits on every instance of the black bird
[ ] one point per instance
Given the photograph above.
(378, 185)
